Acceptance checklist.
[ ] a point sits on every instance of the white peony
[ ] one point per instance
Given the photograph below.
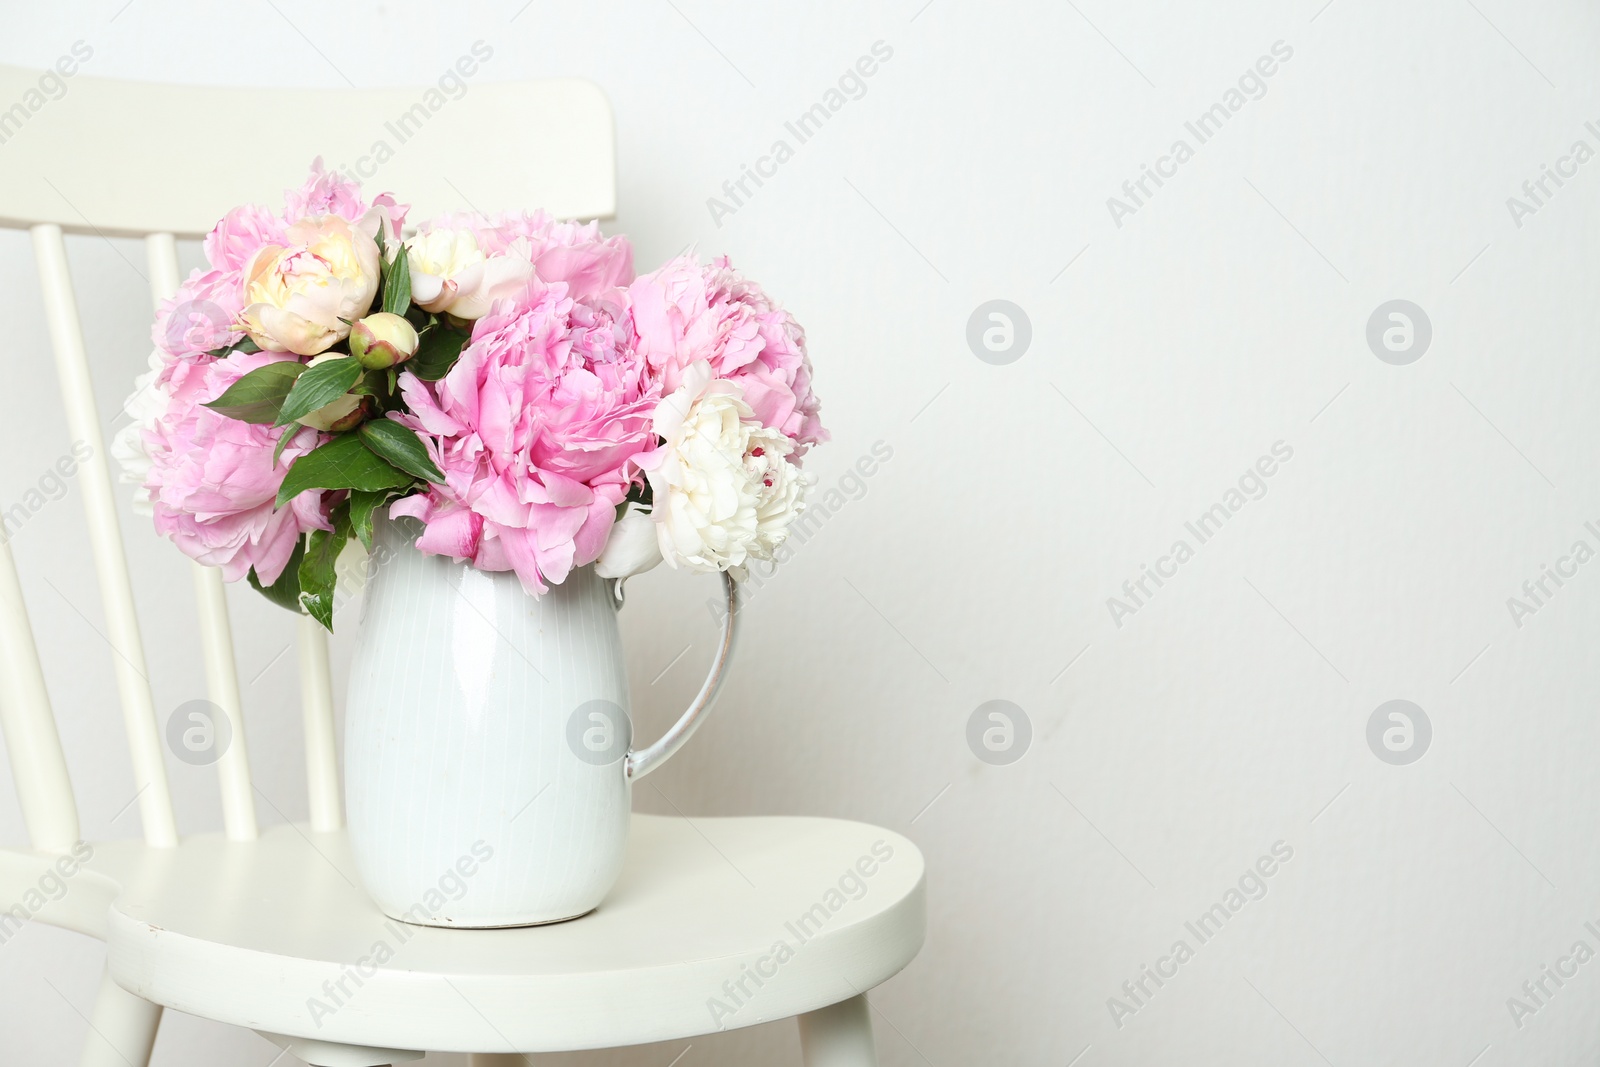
(145, 407)
(724, 491)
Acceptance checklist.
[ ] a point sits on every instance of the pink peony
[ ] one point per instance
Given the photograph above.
(203, 315)
(242, 233)
(211, 480)
(536, 429)
(331, 193)
(685, 312)
(573, 253)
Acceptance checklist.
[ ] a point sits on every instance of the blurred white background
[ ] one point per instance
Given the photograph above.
(1227, 313)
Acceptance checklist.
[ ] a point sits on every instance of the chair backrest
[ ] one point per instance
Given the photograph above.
(161, 162)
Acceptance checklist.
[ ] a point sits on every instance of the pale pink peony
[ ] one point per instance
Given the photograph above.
(301, 296)
(211, 481)
(685, 312)
(207, 312)
(536, 428)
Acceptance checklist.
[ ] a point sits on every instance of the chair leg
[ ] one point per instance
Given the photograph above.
(122, 1030)
(839, 1035)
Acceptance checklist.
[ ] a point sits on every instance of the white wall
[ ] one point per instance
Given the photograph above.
(1168, 353)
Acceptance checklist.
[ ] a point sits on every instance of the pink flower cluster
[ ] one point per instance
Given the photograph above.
(210, 481)
(542, 428)
(542, 425)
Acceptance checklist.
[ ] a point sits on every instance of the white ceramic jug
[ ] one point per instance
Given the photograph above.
(488, 750)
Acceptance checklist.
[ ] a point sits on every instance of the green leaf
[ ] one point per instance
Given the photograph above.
(317, 574)
(283, 440)
(319, 386)
(397, 285)
(438, 348)
(245, 344)
(401, 447)
(371, 384)
(342, 463)
(362, 505)
(285, 592)
(259, 395)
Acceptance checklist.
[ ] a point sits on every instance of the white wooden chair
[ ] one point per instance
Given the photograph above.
(269, 929)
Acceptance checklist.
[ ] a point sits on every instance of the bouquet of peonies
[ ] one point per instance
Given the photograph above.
(504, 379)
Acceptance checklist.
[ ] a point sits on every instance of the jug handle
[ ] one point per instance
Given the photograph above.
(645, 760)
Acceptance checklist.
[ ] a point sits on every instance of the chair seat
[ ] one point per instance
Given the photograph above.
(715, 924)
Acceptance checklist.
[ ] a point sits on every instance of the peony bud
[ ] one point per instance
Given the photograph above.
(632, 547)
(383, 340)
(345, 413)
